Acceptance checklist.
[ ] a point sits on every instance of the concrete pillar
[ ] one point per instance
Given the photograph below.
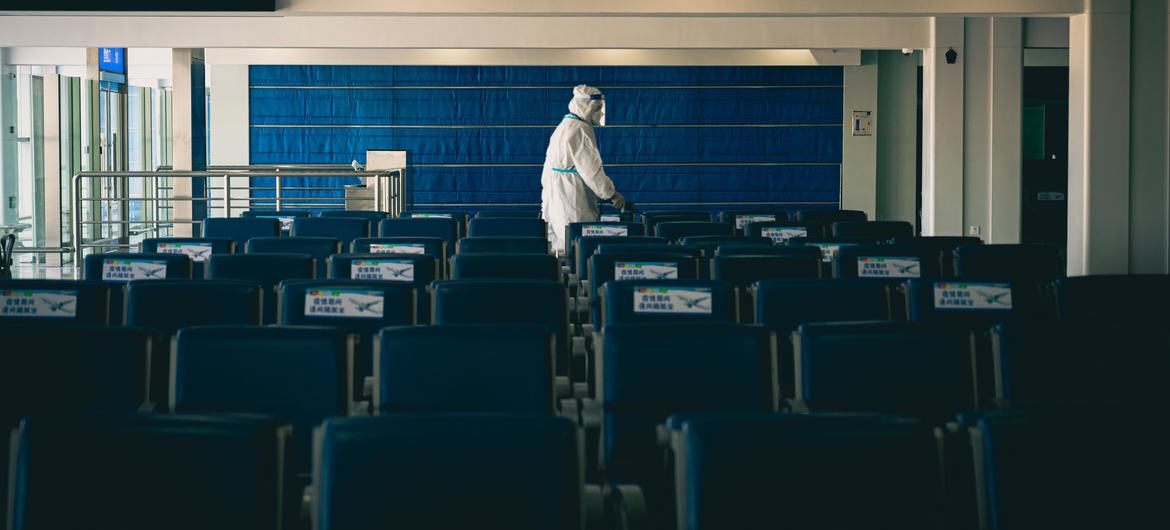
(993, 130)
(1149, 225)
(229, 128)
(51, 181)
(897, 136)
(189, 130)
(859, 153)
(942, 130)
(8, 169)
(1099, 133)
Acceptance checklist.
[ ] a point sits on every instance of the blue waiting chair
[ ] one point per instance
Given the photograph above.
(502, 245)
(805, 471)
(465, 368)
(876, 230)
(889, 367)
(651, 219)
(507, 227)
(781, 231)
(668, 301)
(414, 270)
(599, 229)
(345, 229)
(445, 228)
(521, 214)
(460, 218)
(520, 472)
(54, 303)
(743, 271)
(677, 230)
(119, 268)
(529, 302)
(742, 218)
(151, 471)
(942, 246)
(430, 246)
(197, 248)
(296, 373)
(885, 262)
(240, 229)
(369, 215)
(268, 270)
(826, 218)
(533, 266)
(1034, 262)
(361, 308)
(584, 247)
(649, 372)
(1079, 364)
(1080, 469)
(318, 247)
(166, 306)
(663, 265)
(783, 305)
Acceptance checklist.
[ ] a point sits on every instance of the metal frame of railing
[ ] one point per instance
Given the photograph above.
(388, 195)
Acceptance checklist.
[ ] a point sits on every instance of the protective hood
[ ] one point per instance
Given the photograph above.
(589, 104)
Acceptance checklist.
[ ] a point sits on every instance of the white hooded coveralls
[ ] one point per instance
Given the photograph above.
(573, 178)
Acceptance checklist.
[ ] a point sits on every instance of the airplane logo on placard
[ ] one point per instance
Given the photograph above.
(150, 273)
(55, 307)
(400, 271)
(694, 303)
(201, 253)
(997, 299)
(907, 269)
(364, 307)
(660, 273)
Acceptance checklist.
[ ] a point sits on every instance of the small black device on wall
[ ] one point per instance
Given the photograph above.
(952, 56)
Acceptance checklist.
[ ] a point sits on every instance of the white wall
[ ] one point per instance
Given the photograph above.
(859, 153)
(897, 136)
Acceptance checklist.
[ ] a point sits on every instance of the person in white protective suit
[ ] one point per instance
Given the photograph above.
(573, 178)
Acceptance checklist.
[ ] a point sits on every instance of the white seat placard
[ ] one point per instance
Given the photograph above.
(124, 270)
(973, 296)
(604, 230)
(830, 250)
(344, 303)
(196, 251)
(395, 270)
(38, 303)
(431, 215)
(686, 300)
(611, 218)
(645, 270)
(285, 222)
(741, 220)
(398, 248)
(780, 234)
(888, 267)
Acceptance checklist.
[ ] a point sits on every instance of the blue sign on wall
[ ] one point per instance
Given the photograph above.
(112, 60)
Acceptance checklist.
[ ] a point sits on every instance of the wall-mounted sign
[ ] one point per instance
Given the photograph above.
(862, 123)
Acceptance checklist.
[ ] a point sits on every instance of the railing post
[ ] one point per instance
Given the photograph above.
(78, 235)
(279, 188)
(227, 185)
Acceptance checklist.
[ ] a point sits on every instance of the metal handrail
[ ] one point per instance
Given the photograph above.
(388, 194)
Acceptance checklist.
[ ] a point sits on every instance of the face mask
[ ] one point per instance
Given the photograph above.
(601, 113)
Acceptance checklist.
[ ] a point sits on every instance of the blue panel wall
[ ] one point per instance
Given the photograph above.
(716, 136)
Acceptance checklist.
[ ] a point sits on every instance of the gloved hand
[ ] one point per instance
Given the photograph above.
(618, 201)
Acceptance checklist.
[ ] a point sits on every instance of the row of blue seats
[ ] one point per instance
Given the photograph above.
(743, 471)
(649, 374)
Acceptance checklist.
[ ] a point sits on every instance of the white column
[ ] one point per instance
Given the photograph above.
(942, 130)
(859, 153)
(1149, 237)
(51, 178)
(993, 135)
(187, 153)
(897, 136)
(1098, 146)
(8, 178)
(229, 127)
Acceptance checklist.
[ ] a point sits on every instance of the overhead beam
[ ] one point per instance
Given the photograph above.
(689, 7)
(507, 32)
